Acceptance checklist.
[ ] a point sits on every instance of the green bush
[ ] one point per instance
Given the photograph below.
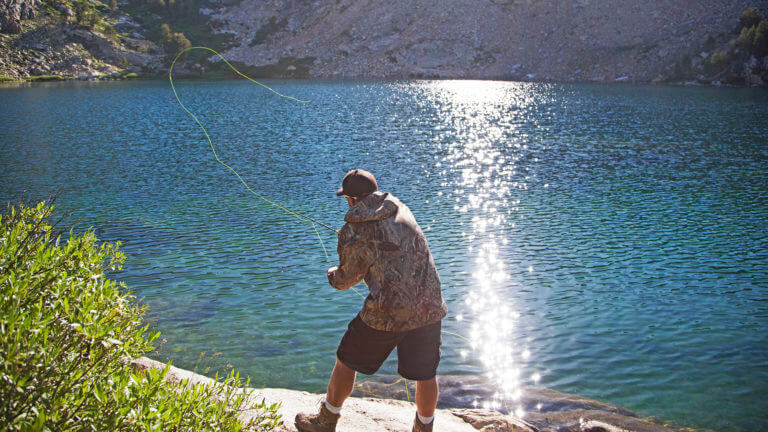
(173, 42)
(750, 17)
(754, 39)
(67, 332)
(36, 78)
(85, 16)
(746, 36)
(107, 30)
(165, 32)
(718, 60)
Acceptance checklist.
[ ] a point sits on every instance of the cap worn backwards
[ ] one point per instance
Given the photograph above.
(358, 184)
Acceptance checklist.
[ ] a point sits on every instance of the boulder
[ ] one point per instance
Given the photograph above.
(493, 421)
(359, 414)
(539, 408)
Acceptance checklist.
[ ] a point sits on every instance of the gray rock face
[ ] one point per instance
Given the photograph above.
(549, 39)
(751, 78)
(541, 409)
(50, 46)
(375, 407)
(13, 11)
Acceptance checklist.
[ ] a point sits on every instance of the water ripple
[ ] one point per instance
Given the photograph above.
(606, 241)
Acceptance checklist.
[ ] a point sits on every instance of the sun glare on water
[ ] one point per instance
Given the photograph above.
(487, 152)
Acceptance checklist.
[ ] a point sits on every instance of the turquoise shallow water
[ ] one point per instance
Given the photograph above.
(610, 241)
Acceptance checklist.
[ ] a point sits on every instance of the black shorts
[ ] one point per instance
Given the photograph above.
(364, 349)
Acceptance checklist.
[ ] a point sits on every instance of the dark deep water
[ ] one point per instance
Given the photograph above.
(610, 241)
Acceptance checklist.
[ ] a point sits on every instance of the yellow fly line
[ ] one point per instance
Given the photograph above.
(295, 213)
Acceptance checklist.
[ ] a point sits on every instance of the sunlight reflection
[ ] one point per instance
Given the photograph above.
(487, 154)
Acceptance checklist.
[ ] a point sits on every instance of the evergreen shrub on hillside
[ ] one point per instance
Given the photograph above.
(718, 61)
(754, 33)
(750, 17)
(173, 42)
(85, 15)
(67, 332)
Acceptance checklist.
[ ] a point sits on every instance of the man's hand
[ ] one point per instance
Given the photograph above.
(331, 272)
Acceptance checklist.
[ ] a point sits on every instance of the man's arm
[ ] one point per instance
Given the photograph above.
(354, 260)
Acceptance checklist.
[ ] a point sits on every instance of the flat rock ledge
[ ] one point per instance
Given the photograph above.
(369, 414)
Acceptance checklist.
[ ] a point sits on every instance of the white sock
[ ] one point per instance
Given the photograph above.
(331, 408)
(425, 420)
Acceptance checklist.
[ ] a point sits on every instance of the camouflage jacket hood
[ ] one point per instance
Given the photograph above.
(382, 243)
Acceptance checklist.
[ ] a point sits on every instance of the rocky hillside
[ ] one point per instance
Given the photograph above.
(71, 39)
(93, 39)
(552, 40)
(657, 41)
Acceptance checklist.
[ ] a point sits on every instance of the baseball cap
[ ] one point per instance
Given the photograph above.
(358, 183)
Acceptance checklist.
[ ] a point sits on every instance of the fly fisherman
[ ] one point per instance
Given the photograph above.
(382, 243)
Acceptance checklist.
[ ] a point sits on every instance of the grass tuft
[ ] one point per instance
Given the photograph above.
(38, 78)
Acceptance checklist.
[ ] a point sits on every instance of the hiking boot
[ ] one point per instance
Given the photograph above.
(418, 426)
(324, 421)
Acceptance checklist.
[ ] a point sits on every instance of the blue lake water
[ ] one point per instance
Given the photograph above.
(610, 241)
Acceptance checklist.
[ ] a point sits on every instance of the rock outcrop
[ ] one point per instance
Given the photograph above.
(581, 40)
(45, 42)
(539, 408)
(360, 414)
(13, 11)
(623, 41)
(376, 405)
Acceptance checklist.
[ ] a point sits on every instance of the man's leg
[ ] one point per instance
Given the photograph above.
(426, 397)
(418, 355)
(339, 388)
(341, 384)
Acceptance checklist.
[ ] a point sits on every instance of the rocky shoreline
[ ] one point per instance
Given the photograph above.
(656, 42)
(380, 405)
(580, 41)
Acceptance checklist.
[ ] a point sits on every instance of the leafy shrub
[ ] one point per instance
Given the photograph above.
(750, 17)
(165, 32)
(173, 42)
(107, 30)
(36, 78)
(84, 15)
(67, 331)
(746, 36)
(755, 38)
(718, 60)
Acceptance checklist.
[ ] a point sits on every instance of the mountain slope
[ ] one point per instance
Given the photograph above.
(581, 40)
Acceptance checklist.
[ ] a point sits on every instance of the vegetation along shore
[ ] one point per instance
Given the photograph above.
(73, 343)
(672, 41)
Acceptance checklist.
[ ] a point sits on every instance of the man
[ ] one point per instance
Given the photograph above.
(382, 243)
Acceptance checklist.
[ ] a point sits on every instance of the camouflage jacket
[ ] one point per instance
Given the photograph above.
(382, 243)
